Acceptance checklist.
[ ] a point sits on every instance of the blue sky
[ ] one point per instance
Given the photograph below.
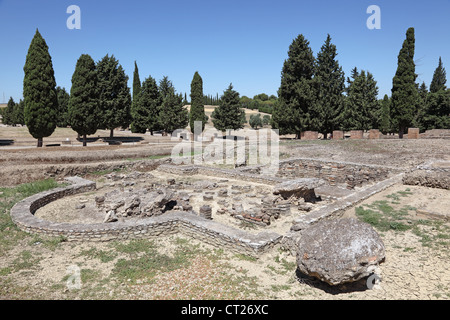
(241, 42)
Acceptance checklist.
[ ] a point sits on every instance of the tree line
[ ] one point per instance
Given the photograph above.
(314, 94)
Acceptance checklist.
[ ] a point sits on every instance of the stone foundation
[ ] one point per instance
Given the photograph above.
(356, 134)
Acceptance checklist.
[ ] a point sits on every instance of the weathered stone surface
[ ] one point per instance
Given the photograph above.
(339, 250)
(299, 188)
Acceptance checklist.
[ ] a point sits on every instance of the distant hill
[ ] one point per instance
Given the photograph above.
(3, 105)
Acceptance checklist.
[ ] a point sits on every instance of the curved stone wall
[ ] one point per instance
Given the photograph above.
(187, 223)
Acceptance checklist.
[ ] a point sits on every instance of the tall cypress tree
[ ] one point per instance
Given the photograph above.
(136, 81)
(404, 97)
(292, 111)
(115, 97)
(83, 109)
(385, 120)
(197, 112)
(330, 80)
(229, 115)
(39, 90)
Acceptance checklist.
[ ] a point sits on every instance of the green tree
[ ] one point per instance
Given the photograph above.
(63, 105)
(439, 78)
(255, 121)
(266, 120)
(146, 108)
(18, 113)
(197, 112)
(330, 80)
(361, 107)
(422, 108)
(404, 97)
(115, 97)
(172, 114)
(229, 115)
(385, 119)
(84, 103)
(8, 112)
(136, 82)
(39, 90)
(296, 94)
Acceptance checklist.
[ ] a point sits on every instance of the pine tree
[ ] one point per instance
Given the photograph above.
(330, 80)
(361, 108)
(8, 113)
(172, 114)
(437, 115)
(146, 108)
(385, 121)
(63, 105)
(83, 108)
(39, 90)
(197, 112)
(439, 78)
(422, 108)
(404, 97)
(292, 111)
(115, 97)
(229, 115)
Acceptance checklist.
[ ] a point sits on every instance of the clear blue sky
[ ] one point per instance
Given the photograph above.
(241, 42)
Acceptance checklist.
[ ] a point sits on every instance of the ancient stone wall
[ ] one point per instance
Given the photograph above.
(187, 223)
(351, 174)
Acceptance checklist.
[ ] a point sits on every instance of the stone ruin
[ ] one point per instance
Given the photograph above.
(126, 201)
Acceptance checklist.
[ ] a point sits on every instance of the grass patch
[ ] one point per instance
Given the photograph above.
(384, 217)
(9, 233)
(145, 261)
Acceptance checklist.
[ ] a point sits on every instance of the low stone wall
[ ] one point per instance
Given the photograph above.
(187, 223)
(351, 174)
(429, 176)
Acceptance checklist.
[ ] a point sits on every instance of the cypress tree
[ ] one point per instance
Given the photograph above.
(330, 80)
(83, 108)
(41, 104)
(385, 121)
(172, 114)
(115, 97)
(361, 107)
(437, 114)
(404, 97)
(229, 115)
(439, 78)
(197, 112)
(292, 111)
(63, 105)
(146, 108)
(136, 82)
(8, 113)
